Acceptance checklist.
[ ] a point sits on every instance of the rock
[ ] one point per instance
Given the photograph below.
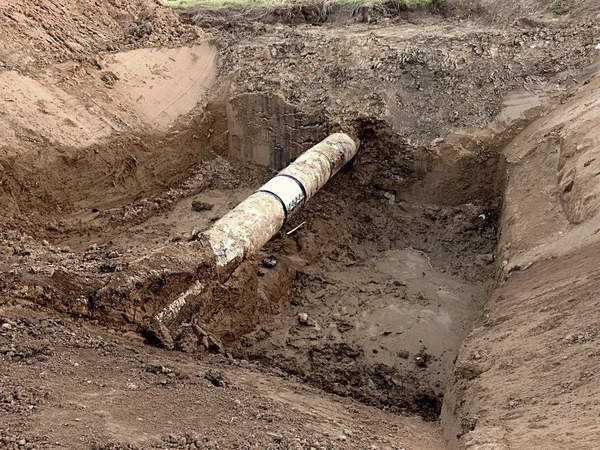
(107, 268)
(303, 319)
(109, 78)
(215, 377)
(484, 259)
(201, 206)
(157, 369)
(390, 196)
(6, 326)
(269, 262)
(98, 63)
(8, 321)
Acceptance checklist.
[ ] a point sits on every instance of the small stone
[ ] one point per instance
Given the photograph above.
(201, 206)
(6, 326)
(9, 321)
(421, 361)
(194, 234)
(303, 318)
(269, 262)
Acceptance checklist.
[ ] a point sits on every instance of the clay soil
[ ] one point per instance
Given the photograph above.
(439, 292)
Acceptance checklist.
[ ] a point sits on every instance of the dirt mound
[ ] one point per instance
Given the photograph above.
(104, 116)
(40, 33)
(308, 13)
(425, 80)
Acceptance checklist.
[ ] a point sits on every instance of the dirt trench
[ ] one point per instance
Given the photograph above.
(405, 253)
(391, 265)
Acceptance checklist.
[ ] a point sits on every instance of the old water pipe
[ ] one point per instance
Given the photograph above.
(249, 226)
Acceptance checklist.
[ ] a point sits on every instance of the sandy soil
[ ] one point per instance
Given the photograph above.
(470, 213)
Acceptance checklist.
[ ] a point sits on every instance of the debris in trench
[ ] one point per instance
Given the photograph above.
(390, 196)
(211, 344)
(157, 369)
(403, 354)
(269, 262)
(422, 359)
(303, 319)
(108, 268)
(194, 234)
(207, 340)
(109, 78)
(293, 230)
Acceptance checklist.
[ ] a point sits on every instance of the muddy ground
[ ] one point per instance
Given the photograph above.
(429, 284)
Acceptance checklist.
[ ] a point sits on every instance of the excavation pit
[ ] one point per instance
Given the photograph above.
(443, 282)
(390, 268)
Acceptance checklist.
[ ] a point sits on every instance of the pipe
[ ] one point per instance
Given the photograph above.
(249, 226)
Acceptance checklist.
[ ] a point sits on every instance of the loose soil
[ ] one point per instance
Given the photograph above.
(437, 293)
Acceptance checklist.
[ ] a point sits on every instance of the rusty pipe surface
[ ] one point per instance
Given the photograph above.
(249, 226)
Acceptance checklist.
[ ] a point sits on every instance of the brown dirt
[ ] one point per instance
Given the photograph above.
(65, 385)
(470, 212)
(526, 375)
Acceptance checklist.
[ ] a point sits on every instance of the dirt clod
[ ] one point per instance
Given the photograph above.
(201, 206)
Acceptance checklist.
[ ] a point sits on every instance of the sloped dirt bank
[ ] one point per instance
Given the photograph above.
(526, 376)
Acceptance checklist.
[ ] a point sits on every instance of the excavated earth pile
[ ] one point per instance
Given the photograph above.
(439, 292)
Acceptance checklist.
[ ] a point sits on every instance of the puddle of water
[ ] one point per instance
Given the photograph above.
(436, 313)
(520, 105)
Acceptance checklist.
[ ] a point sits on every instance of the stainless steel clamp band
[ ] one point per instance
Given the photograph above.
(288, 190)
